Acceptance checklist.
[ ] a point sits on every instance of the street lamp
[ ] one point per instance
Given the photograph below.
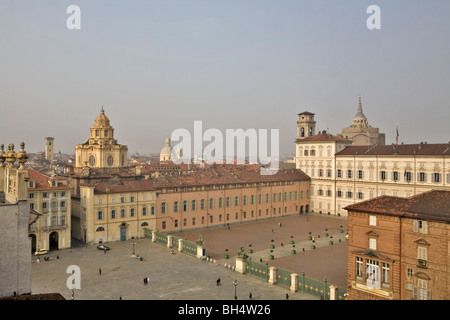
(235, 285)
(133, 248)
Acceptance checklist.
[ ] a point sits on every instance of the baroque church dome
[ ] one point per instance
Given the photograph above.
(166, 152)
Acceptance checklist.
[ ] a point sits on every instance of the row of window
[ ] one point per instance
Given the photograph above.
(31, 195)
(55, 221)
(53, 205)
(370, 272)
(407, 176)
(123, 212)
(312, 153)
(286, 196)
(231, 186)
(227, 202)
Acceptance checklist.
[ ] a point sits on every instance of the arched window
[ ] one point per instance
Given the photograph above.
(110, 160)
(92, 160)
(100, 229)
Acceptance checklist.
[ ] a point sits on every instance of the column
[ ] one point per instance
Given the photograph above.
(272, 275)
(294, 282)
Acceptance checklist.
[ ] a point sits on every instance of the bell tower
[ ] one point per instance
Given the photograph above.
(49, 149)
(306, 125)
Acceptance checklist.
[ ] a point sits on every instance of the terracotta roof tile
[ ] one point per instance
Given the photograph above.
(433, 205)
(42, 181)
(212, 175)
(440, 149)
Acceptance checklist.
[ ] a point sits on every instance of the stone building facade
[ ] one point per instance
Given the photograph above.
(15, 217)
(51, 197)
(215, 196)
(343, 173)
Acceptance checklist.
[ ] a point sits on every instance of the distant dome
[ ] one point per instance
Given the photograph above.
(166, 152)
(360, 119)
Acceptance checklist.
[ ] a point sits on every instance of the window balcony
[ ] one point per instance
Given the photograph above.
(422, 263)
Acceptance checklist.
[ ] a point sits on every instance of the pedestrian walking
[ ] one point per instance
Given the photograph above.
(218, 282)
(250, 296)
(99, 271)
(287, 296)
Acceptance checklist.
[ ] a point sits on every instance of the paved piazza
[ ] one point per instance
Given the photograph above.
(182, 277)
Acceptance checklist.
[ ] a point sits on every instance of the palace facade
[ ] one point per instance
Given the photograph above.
(343, 173)
(218, 195)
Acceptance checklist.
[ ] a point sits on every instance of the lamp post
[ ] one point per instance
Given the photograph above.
(133, 248)
(235, 285)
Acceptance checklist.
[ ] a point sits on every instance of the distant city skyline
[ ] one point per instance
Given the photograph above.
(157, 66)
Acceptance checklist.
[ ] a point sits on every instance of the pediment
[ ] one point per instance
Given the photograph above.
(373, 254)
(422, 242)
(372, 234)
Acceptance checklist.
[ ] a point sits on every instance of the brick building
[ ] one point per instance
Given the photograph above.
(398, 248)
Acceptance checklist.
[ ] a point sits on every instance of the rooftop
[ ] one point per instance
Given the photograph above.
(323, 136)
(212, 175)
(431, 205)
(42, 181)
(438, 149)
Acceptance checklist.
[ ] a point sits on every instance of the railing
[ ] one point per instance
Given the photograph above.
(284, 277)
(189, 248)
(313, 287)
(257, 269)
(160, 238)
(293, 281)
(175, 242)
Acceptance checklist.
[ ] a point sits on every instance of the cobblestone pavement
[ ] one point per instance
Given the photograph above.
(180, 276)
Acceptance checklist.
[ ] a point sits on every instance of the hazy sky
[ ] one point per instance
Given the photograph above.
(156, 66)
